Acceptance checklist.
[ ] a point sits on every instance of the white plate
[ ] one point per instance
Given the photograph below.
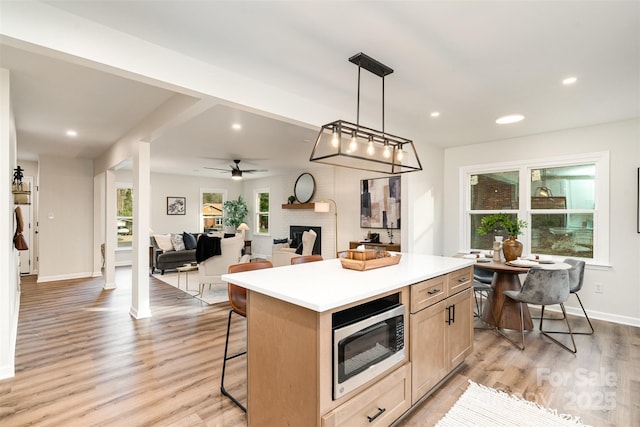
(522, 263)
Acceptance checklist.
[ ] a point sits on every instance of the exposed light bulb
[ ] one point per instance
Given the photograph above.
(387, 152)
(400, 155)
(370, 150)
(353, 146)
(335, 140)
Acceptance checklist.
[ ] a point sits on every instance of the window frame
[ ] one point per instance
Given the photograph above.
(124, 186)
(210, 190)
(601, 224)
(258, 213)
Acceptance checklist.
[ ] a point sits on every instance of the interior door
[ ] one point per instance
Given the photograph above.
(27, 233)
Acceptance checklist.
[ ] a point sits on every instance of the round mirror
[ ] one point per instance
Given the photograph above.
(304, 188)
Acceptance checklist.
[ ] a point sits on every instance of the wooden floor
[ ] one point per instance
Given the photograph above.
(81, 360)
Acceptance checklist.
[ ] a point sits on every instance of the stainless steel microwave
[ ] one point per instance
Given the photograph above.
(367, 340)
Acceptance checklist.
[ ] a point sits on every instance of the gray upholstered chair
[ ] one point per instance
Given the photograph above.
(542, 287)
(576, 279)
(482, 279)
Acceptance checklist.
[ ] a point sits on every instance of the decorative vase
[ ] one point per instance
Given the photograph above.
(511, 248)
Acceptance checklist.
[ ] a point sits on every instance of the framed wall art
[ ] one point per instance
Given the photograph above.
(380, 203)
(176, 205)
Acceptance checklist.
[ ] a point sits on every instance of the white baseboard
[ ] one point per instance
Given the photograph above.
(81, 275)
(607, 317)
(8, 370)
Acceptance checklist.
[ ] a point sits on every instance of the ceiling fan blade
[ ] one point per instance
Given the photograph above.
(254, 170)
(216, 169)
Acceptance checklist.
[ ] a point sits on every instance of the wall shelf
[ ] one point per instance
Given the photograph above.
(298, 206)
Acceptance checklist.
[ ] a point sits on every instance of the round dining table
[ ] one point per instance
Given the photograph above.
(507, 278)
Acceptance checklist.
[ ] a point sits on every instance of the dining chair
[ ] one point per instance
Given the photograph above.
(482, 279)
(238, 301)
(305, 258)
(576, 280)
(541, 287)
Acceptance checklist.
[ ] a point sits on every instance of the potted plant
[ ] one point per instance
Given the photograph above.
(511, 248)
(291, 199)
(236, 212)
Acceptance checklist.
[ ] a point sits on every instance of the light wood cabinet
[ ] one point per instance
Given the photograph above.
(289, 357)
(380, 405)
(428, 349)
(441, 329)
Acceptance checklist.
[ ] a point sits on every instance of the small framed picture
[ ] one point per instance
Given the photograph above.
(176, 205)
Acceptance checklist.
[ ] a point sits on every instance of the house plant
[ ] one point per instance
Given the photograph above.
(511, 247)
(236, 212)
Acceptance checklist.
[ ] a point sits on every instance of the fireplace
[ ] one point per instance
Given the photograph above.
(295, 234)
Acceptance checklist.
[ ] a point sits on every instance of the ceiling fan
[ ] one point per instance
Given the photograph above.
(236, 172)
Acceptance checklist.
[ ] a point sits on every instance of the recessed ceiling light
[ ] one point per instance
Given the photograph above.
(569, 80)
(236, 126)
(72, 133)
(435, 114)
(509, 118)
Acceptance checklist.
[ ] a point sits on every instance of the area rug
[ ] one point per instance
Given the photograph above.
(483, 406)
(216, 294)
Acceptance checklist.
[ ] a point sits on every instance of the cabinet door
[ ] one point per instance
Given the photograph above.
(428, 358)
(460, 331)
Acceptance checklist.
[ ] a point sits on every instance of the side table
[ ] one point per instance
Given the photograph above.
(186, 269)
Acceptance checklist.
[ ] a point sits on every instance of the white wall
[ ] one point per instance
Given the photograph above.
(9, 278)
(620, 301)
(65, 218)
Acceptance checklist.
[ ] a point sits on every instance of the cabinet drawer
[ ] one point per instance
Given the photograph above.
(460, 280)
(386, 401)
(429, 292)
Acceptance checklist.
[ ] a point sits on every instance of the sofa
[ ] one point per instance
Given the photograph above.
(165, 255)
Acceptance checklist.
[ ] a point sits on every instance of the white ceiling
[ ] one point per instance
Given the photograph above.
(471, 61)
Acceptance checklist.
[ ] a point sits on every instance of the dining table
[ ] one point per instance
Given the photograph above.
(506, 277)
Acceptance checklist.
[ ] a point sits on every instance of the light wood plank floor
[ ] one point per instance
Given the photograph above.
(81, 360)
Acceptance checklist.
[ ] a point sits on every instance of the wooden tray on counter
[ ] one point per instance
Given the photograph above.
(370, 264)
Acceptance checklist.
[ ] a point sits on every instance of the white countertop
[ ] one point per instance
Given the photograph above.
(324, 285)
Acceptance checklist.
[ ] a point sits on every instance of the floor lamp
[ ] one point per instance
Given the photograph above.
(323, 206)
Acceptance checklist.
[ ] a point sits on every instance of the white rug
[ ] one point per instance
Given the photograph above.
(483, 406)
(217, 293)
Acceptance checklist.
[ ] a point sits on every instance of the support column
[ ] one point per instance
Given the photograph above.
(98, 222)
(110, 230)
(140, 307)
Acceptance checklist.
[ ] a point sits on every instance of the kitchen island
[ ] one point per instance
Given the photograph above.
(289, 337)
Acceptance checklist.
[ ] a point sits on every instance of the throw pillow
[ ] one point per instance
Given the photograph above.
(227, 235)
(189, 240)
(177, 242)
(276, 241)
(164, 242)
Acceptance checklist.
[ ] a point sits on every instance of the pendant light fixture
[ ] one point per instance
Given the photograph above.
(350, 145)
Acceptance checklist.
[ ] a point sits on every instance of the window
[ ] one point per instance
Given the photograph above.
(211, 209)
(124, 216)
(262, 211)
(564, 202)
